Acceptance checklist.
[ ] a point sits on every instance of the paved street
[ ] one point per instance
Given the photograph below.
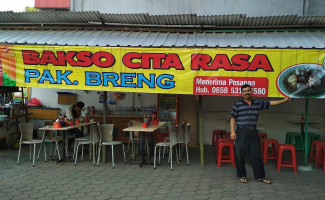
(84, 181)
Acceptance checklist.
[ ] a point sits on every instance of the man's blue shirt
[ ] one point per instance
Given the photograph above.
(247, 115)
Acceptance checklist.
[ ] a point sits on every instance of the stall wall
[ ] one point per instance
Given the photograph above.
(216, 110)
(49, 98)
(274, 122)
(188, 112)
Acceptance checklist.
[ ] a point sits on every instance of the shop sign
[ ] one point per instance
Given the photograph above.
(270, 72)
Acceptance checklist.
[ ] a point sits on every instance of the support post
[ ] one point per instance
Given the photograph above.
(201, 130)
(105, 108)
(104, 122)
(306, 130)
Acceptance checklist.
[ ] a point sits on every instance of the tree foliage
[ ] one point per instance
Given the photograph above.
(31, 9)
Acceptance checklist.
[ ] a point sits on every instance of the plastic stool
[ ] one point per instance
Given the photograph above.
(228, 135)
(262, 136)
(217, 147)
(225, 158)
(292, 163)
(274, 150)
(295, 139)
(218, 134)
(322, 156)
(312, 137)
(315, 153)
(288, 137)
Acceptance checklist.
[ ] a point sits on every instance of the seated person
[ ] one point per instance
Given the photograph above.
(72, 113)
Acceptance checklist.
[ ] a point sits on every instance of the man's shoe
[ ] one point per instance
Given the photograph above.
(264, 180)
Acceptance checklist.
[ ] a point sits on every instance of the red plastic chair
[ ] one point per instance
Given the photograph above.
(262, 136)
(274, 151)
(230, 156)
(218, 134)
(292, 163)
(228, 135)
(321, 157)
(315, 153)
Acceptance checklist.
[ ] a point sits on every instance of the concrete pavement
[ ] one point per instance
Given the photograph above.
(85, 181)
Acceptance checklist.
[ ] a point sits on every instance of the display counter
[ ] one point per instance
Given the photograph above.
(43, 113)
(4, 124)
(11, 124)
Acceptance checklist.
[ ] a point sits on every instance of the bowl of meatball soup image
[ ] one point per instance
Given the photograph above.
(302, 80)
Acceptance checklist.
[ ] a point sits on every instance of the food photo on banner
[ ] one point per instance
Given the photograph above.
(303, 80)
(201, 71)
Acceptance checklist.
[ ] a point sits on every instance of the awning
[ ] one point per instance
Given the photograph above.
(204, 63)
(103, 38)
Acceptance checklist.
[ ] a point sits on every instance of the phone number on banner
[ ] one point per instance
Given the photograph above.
(229, 86)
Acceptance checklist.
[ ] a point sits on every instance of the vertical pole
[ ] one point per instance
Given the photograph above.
(105, 108)
(104, 122)
(306, 129)
(201, 130)
(23, 102)
(22, 96)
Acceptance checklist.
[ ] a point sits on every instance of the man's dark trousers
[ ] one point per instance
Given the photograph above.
(76, 132)
(248, 140)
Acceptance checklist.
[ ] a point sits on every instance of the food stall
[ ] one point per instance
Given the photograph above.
(188, 63)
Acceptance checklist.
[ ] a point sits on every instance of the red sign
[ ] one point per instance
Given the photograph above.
(216, 85)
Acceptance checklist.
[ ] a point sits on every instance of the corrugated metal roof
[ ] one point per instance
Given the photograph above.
(50, 17)
(285, 39)
(185, 19)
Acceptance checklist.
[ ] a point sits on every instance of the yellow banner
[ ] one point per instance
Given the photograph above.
(270, 72)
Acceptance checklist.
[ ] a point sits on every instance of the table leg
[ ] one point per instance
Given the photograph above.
(302, 130)
(104, 153)
(63, 147)
(153, 142)
(143, 148)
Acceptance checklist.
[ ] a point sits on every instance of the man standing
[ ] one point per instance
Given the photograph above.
(244, 115)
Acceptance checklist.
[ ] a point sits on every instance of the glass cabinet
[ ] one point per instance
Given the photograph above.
(167, 112)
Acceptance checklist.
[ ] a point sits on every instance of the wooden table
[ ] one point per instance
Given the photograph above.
(151, 129)
(64, 129)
